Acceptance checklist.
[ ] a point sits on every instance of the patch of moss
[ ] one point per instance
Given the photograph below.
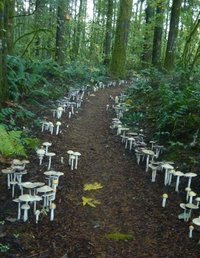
(119, 237)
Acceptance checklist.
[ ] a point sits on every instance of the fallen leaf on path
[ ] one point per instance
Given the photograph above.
(95, 186)
(90, 201)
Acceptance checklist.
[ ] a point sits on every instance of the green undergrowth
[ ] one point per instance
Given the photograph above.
(168, 108)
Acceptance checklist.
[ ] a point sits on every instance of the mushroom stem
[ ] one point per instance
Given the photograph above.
(177, 183)
(49, 165)
(70, 114)
(57, 129)
(165, 196)
(37, 213)
(191, 228)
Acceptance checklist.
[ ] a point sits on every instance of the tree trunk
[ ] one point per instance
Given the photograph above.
(3, 52)
(172, 36)
(118, 62)
(9, 24)
(108, 36)
(147, 49)
(158, 32)
(60, 32)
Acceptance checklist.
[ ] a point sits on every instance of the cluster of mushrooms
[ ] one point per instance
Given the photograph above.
(149, 154)
(30, 194)
(39, 197)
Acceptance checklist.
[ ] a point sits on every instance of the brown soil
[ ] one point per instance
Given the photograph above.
(130, 203)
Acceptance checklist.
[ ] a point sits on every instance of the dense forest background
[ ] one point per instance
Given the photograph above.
(47, 46)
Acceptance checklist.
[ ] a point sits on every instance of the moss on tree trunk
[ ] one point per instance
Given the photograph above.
(3, 79)
(118, 61)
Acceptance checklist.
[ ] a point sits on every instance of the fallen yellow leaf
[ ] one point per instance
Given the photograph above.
(90, 201)
(95, 186)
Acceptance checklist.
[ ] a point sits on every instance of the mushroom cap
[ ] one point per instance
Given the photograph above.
(190, 174)
(191, 206)
(73, 157)
(148, 152)
(40, 152)
(16, 200)
(17, 162)
(77, 153)
(53, 206)
(7, 170)
(165, 195)
(25, 207)
(37, 212)
(26, 198)
(178, 173)
(191, 227)
(167, 166)
(60, 109)
(44, 189)
(51, 124)
(50, 154)
(25, 161)
(196, 221)
(28, 185)
(182, 205)
(53, 173)
(197, 199)
(191, 193)
(47, 143)
(187, 189)
(70, 152)
(58, 123)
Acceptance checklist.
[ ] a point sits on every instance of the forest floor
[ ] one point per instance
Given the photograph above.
(129, 202)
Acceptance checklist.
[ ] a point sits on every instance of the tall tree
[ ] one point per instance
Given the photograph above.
(108, 35)
(62, 11)
(147, 48)
(172, 36)
(3, 52)
(9, 24)
(158, 32)
(118, 61)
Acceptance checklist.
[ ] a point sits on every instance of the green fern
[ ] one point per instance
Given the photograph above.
(11, 143)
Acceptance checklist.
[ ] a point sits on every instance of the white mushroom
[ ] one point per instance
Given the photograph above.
(46, 145)
(40, 153)
(166, 168)
(58, 124)
(50, 155)
(70, 153)
(164, 198)
(190, 175)
(51, 126)
(77, 155)
(19, 208)
(183, 215)
(52, 207)
(187, 189)
(72, 161)
(191, 228)
(191, 195)
(37, 213)
(59, 112)
(9, 172)
(178, 174)
(197, 199)
(25, 207)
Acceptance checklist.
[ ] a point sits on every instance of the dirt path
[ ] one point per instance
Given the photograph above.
(130, 203)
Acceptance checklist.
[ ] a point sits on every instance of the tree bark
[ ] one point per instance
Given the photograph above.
(60, 31)
(9, 24)
(148, 39)
(172, 36)
(158, 32)
(108, 36)
(3, 53)
(118, 61)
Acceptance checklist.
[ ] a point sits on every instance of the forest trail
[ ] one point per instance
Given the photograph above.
(129, 202)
